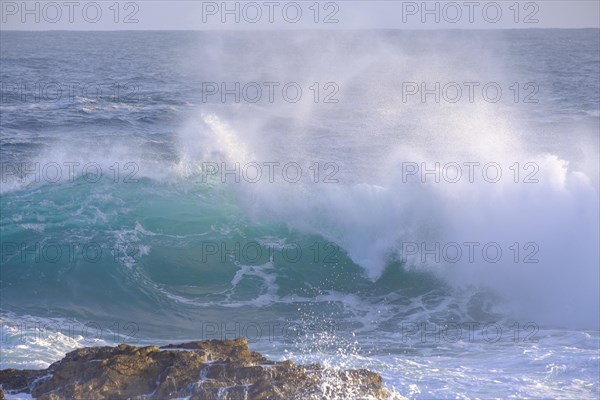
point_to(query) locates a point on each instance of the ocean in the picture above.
(421, 204)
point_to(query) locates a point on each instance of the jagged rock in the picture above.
(214, 369)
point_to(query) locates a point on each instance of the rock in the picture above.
(214, 369)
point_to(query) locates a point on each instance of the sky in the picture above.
(288, 15)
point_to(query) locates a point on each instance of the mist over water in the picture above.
(357, 140)
(375, 209)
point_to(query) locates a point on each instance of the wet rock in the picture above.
(214, 369)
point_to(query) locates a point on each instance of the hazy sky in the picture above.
(251, 15)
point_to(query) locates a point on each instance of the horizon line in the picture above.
(295, 30)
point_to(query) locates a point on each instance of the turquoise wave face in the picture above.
(147, 244)
(178, 259)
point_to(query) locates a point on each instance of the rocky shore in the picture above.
(214, 369)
